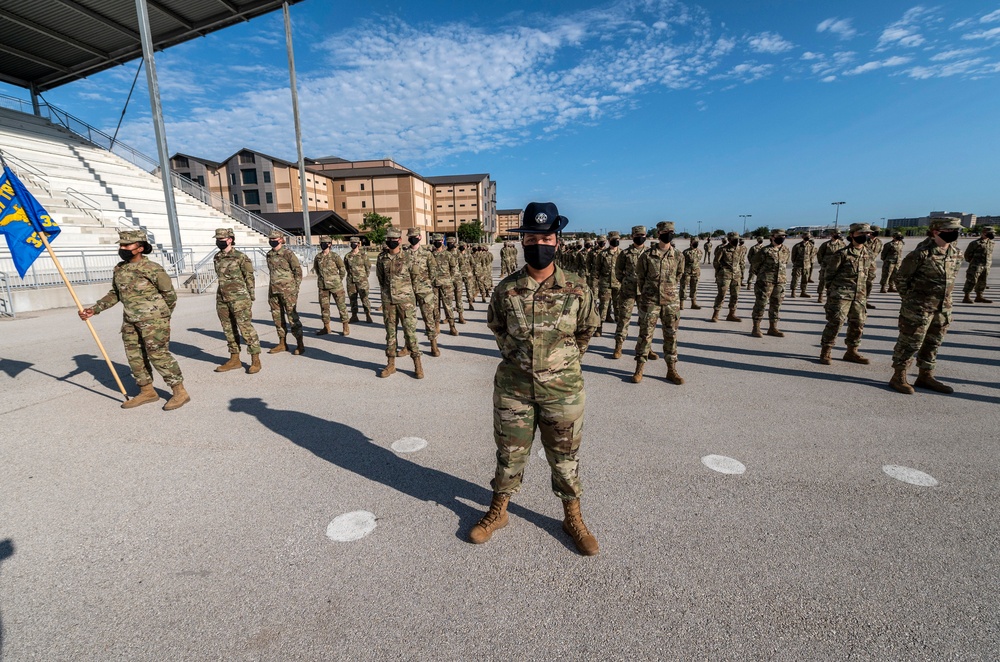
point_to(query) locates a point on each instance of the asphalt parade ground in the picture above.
(839, 520)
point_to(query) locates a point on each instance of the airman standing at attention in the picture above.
(234, 300)
(874, 246)
(424, 275)
(399, 305)
(608, 285)
(980, 257)
(756, 248)
(825, 250)
(771, 266)
(444, 284)
(283, 292)
(543, 320)
(727, 262)
(330, 271)
(708, 249)
(468, 275)
(692, 274)
(925, 281)
(594, 267)
(846, 279)
(892, 255)
(628, 293)
(802, 258)
(659, 271)
(482, 270)
(451, 244)
(358, 268)
(148, 300)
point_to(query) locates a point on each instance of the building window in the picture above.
(180, 162)
(201, 180)
(247, 157)
(252, 196)
(267, 176)
(232, 179)
(363, 205)
(185, 175)
(341, 188)
(269, 197)
(362, 186)
(236, 198)
(461, 190)
(343, 205)
(462, 205)
(249, 176)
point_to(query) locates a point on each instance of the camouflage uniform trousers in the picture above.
(147, 345)
(445, 295)
(870, 280)
(355, 291)
(607, 297)
(236, 318)
(689, 280)
(324, 304)
(889, 274)
(725, 283)
(821, 286)
(770, 295)
(799, 274)
(669, 315)
(516, 415)
(626, 304)
(837, 310)
(458, 293)
(428, 304)
(484, 282)
(471, 288)
(921, 332)
(975, 278)
(282, 304)
(405, 314)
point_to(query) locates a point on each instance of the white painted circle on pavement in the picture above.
(409, 444)
(908, 475)
(351, 526)
(723, 464)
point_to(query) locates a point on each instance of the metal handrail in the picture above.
(88, 202)
(82, 266)
(6, 301)
(25, 170)
(7, 101)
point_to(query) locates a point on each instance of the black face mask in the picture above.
(438, 244)
(990, 235)
(614, 243)
(638, 241)
(666, 237)
(274, 243)
(949, 235)
(125, 254)
(413, 240)
(221, 244)
(860, 240)
(324, 245)
(600, 244)
(393, 244)
(694, 244)
(539, 256)
(461, 249)
(778, 240)
(354, 246)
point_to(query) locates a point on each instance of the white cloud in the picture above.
(906, 31)
(894, 61)
(829, 79)
(809, 55)
(960, 68)
(992, 17)
(993, 33)
(954, 53)
(769, 42)
(838, 26)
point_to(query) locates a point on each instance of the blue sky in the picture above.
(621, 112)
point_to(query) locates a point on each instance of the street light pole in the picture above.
(745, 217)
(699, 228)
(836, 220)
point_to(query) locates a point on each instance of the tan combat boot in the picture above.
(618, 349)
(599, 332)
(368, 317)
(925, 379)
(826, 354)
(673, 375)
(254, 364)
(434, 347)
(898, 381)
(819, 297)
(494, 520)
(300, 347)
(325, 330)
(146, 395)
(573, 525)
(967, 298)
(756, 330)
(179, 399)
(461, 316)
(682, 304)
(390, 367)
(882, 289)
(354, 318)
(405, 351)
(852, 356)
(347, 329)
(280, 347)
(637, 375)
(232, 364)
(694, 304)
(653, 356)
(869, 305)
(418, 368)
(792, 295)
(773, 330)
(805, 295)
(981, 299)
(715, 315)
(731, 317)
(451, 328)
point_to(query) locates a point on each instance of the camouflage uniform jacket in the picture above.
(692, 261)
(828, 248)
(447, 266)
(542, 330)
(892, 252)
(741, 256)
(144, 290)
(927, 275)
(770, 264)
(235, 274)
(424, 271)
(393, 273)
(751, 253)
(358, 268)
(625, 270)
(283, 267)
(465, 263)
(727, 260)
(846, 273)
(658, 274)
(803, 253)
(874, 247)
(330, 271)
(980, 253)
(607, 274)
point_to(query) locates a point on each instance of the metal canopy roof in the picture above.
(49, 43)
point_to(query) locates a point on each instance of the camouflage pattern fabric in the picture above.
(330, 271)
(892, 255)
(398, 300)
(925, 281)
(508, 260)
(283, 291)
(444, 286)
(358, 267)
(625, 271)
(692, 272)
(658, 274)
(980, 257)
(424, 273)
(847, 293)
(874, 248)
(771, 267)
(727, 263)
(825, 250)
(459, 281)
(148, 299)
(468, 277)
(708, 250)
(608, 285)
(802, 260)
(751, 253)
(542, 330)
(234, 300)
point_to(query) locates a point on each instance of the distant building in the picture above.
(967, 220)
(508, 221)
(464, 198)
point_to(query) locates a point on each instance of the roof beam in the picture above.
(170, 13)
(90, 13)
(33, 58)
(233, 9)
(31, 25)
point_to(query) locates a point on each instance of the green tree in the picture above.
(470, 232)
(762, 231)
(375, 226)
(718, 233)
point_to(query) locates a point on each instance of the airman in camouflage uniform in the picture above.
(358, 268)
(825, 250)
(234, 300)
(330, 271)
(424, 275)
(148, 298)
(283, 292)
(608, 285)
(846, 283)
(398, 303)
(692, 274)
(594, 266)
(753, 250)
(508, 259)
(452, 247)
(728, 262)
(874, 246)
(657, 275)
(802, 259)
(892, 255)
(770, 264)
(708, 249)
(628, 294)
(925, 280)
(444, 284)
(482, 270)
(468, 275)
(980, 257)
(543, 319)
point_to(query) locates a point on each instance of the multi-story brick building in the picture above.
(508, 220)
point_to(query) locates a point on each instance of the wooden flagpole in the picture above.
(79, 307)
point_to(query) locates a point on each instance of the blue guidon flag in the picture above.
(21, 221)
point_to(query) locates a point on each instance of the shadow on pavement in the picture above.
(12, 368)
(350, 449)
(197, 353)
(6, 551)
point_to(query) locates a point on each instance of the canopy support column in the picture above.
(35, 108)
(298, 126)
